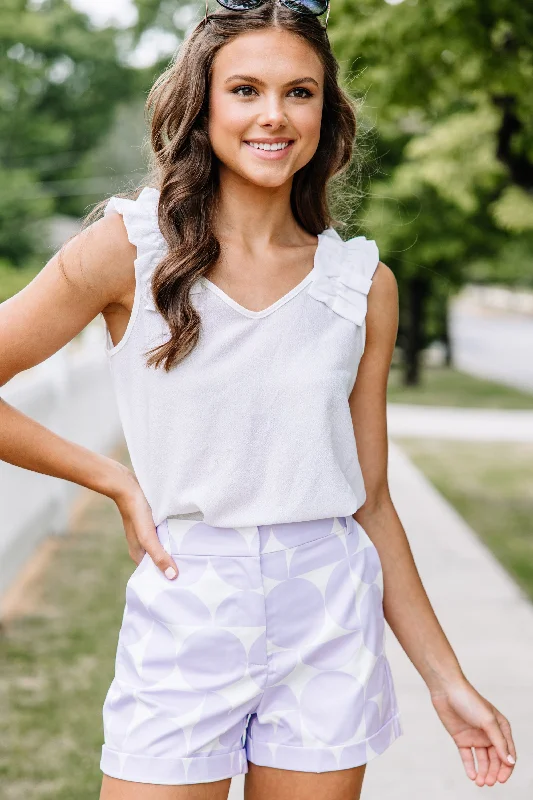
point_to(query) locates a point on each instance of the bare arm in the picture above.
(470, 719)
(38, 321)
(96, 274)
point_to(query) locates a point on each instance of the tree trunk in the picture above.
(414, 334)
(447, 342)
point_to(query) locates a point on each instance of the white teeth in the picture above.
(265, 146)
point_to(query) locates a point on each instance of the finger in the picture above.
(161, 558)
(505, 772)
(505, 728)
(136, 551)
(468, 762)
(495, 734)
(482, 765)
(494, 766)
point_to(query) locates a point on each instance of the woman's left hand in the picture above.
(475, 723)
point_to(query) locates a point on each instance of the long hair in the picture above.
(184, 169)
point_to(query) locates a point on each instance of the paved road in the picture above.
(493, 344)
(490, 625)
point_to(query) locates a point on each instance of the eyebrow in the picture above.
(259, 82)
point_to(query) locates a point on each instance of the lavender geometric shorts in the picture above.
(268, 647)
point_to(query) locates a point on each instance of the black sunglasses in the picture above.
(314, 7)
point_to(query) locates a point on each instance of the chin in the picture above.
(265, 183)
(264, 179)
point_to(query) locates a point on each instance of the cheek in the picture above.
(226, 119)
(308, 124)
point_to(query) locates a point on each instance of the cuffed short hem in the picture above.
(327, 759)
(173, 771)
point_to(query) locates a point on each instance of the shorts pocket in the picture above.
(141, 566)
(367, 574)
(363, 555)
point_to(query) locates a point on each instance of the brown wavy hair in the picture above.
(184, 169)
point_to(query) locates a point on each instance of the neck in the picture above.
(247, 213)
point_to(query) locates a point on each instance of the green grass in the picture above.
(14, 280)
(491, 485)
(448, 387)
(57, 663)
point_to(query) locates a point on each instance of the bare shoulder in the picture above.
(384, 288)
(100, 259)
(93, 271)
(381, 329)
(382, 313)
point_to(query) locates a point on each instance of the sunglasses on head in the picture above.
(313, 7)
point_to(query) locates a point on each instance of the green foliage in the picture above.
(60, 80)
(118, 163)
(458, 170)
(512, 264)
(449, 84)
(447, 87)
(513, 210)
(23, 204)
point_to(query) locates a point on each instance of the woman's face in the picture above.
(266, 89)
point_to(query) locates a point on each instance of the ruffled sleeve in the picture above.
(344, 274)
(141, 222)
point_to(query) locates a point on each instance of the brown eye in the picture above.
(238, 89)
(307, 93)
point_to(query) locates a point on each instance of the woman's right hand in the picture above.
(139, 526)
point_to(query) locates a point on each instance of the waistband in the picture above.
(190, 537)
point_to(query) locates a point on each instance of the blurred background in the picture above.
(443, 181)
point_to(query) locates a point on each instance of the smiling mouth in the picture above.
(268, 146)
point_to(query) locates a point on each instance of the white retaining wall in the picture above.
(70, 393)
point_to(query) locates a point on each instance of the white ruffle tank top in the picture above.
(254, 426)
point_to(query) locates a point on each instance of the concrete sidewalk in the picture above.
(464, 424)
(489, 623)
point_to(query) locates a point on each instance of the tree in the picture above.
(60, 81)
(450, 86)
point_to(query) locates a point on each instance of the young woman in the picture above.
(249, 347)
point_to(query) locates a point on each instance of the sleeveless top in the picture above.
(254, 426)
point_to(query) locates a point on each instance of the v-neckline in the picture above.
(248, 312)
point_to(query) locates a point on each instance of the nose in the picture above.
(273, 113)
